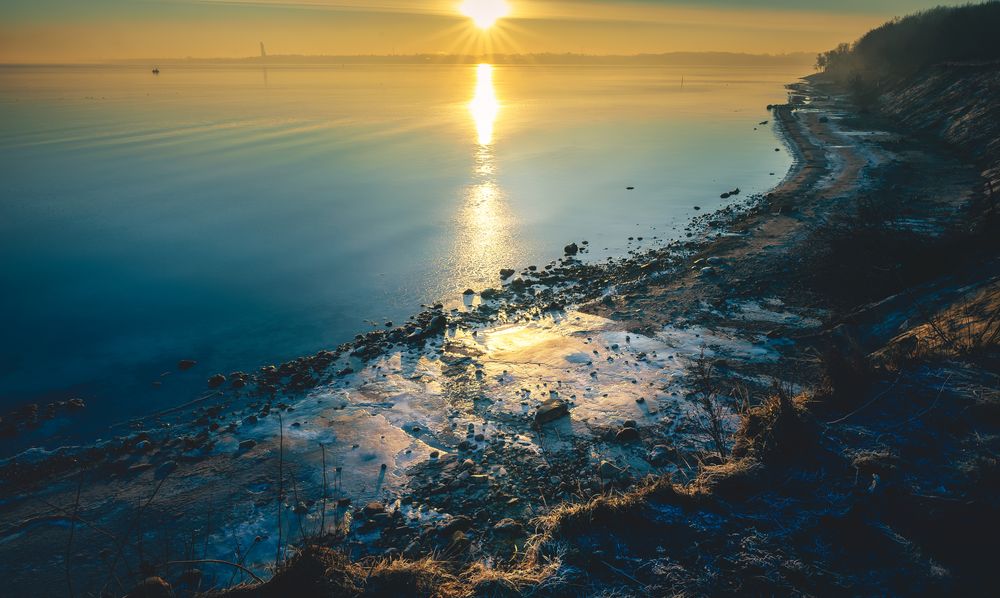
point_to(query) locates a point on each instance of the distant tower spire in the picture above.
(263, 53)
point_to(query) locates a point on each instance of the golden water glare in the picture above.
(484, 105)
(484, 239)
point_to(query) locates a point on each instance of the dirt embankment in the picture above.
(959, 104)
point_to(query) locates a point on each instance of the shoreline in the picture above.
(453, 399)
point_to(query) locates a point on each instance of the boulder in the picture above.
(166, 469)
(611, 472)
(551, 410)
(459, 523)
(508, 527)
(571, 249)
(152, 587)
(661, 454)
(627, 435)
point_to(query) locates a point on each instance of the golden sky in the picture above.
(95, 30)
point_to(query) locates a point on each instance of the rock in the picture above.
(506, 273)
(373, 508)
(571, 249)
(75, 403)
(438, 324)
(629, 188)
(488, 294)
(509, 527)
(166, 469)
(216, 381)
(186, 364)
(246, 445)
(630, 423)
(627, 435)
(459, 523)
(412, 551)
(191, 577)
(609, 471)
(460, 542)
(434, 454)
(661, 454)
(551, 410)
(468, 292)
(152, 587)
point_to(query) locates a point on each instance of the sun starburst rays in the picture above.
(485, 13)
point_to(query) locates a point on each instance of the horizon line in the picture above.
(425, 56)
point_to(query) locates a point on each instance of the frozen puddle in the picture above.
(472, 390)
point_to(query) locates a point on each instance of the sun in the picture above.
(485, 13)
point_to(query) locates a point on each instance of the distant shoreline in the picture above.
(722, 59)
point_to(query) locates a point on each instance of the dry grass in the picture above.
(489, 582)
(323, 572)
(779, 430)
(968, 328)
(401, 577)
(549, 566)
(606, 509)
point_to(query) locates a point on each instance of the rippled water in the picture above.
(242, 216)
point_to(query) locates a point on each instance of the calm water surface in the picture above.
(241, 216)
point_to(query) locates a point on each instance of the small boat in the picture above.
(156, 71)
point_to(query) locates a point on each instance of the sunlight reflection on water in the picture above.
(484, 237)
(241, 217)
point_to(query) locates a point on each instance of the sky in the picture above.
(68, 31)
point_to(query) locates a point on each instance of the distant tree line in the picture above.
(904, 46)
